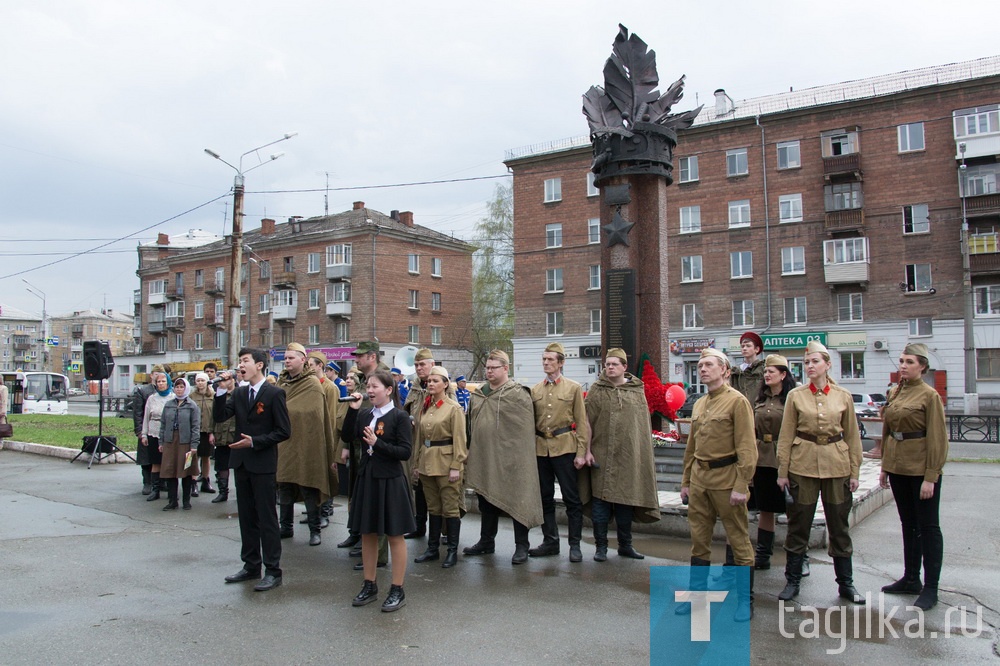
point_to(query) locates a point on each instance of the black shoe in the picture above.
(304, 521)
(242, 576)
(601, 554)
(904, 585)
(147, 488)
(429, 555)
(764, 549)
(206, 486)
(368, 594)
(520, 555)
(221, 497)
(287, 534)
(395, 600)
(315, 539)
(419, 533)
(574, 554)
(350, 542)
(480, 548)
(170, 506)
(360, 566)
(630, 552)
(154, 494)
(545, 549)
(355, 552)
(928, 598)
(187, 505)
(194, 490)
(268, 582)
(324, 522)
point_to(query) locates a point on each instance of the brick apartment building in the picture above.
(22, 343)
(325, 282)
(74, 328)
(832, 213)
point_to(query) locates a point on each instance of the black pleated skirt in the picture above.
(765, 495)
(381, 506)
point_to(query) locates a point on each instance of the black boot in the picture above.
(286, 516)
(147, 479)
(805, 565)
(910, 582)
(419, 514)
(395, 600)
(171, 494)
(187, 483)
(765, 546)
(351, 541)
(194, 486)
(313, 520)
(744, 604)
(454, 532)
(932, 542)
(793, 576)
(625, 548)
(575, 537)
(206, 485)
(368, 594)
(601, 542)
(421, 530)
(698, 583)
(550, 541)
(433, 541)
(728, 575)
(928, 598)
(521, 544)
(487, 536)
(843, 568)
(222, 478)
(154, 489)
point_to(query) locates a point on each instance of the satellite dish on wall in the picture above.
(404, 360)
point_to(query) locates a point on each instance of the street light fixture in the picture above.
(236, 260)
(35, 291)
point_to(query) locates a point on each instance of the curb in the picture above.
(61, 452)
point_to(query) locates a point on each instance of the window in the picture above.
(338, 255)
(199, 278)
(553, 190)
(314, 334)
(595, 322)
(848, 307)
(691, 268)
(313, 262)
(264, 337)
(839, 142)
(338, 292)
(436, 267)
(742, 314)
(178, 341)
(219, 339)
(414, 299)
(157, 287)
(314, 298)
(161, 345)
(592, 190)
(739, 213)
(795, 310)
(741, 264)
(793, 260)
(843, 196)
(244, 271)
(689, 169)
(288, 264)
(790, 208)
(199, 340)
(736, 162)
(414, 335)
(220, 310)
(265, 303)
(921, 327)
(988, 363)
(916, 219)
(436, 335)
(987, 300)
(918, 277)
(852, 365)
(553, 280)
(413, 264)
(220, 278)
(342, 331)
(981, 179)
(594, 230)
(287, 335)
(595, 277)
(845, 251)
(693, 317)
(978, 120)
(436, 301)
(553, 323)
(911, 137)
(553, 235)
(243, 338)
(288, 297)
(264, 269)
(788, 155)
(690, 219)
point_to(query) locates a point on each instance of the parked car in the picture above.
(879, 399)
(864, 405)
(75, 391)
(684, 412)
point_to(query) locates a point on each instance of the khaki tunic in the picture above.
(767, 426)
(205, 402)
(558, 405)
(914, 406)
(749, 381)
(819, 414)
(721, 426)
(444, 419)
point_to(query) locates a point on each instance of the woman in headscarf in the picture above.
(149, 436)
(180, 428)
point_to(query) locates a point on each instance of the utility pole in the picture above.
(235, 270)
(971, 398)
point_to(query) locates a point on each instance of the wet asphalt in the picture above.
(94, 574)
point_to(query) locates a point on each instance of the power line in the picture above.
(379, 187)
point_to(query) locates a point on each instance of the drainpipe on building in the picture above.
(767, 225)
(374, 236)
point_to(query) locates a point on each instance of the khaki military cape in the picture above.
(337, 413)
(305, 457)
(622, 446)
(502, 465)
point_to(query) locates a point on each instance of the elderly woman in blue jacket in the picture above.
(180, 426)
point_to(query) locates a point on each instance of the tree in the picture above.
(493, 278)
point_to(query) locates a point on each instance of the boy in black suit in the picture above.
(261, 423)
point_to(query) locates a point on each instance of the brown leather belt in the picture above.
(554, 433)
(819, 439)
(437, 442)
(719, 462)
(900, 436)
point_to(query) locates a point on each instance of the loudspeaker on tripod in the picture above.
(97, 360)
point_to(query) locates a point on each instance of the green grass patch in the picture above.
(975, 460)
(69, 431)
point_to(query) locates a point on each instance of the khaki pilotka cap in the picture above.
(500, 355)
(712, 351)
(296, 347)
(423, 355)
(776, 360)
(618, 353)
(319, 356)
(556, 348)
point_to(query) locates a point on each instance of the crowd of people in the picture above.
(412, 448)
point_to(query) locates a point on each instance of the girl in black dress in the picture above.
(381, 500)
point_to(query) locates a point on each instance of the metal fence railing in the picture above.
(973, 428)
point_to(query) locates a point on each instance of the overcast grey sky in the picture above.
(108, 105)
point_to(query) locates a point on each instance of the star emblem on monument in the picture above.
(618, 230)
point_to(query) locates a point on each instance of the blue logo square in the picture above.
(691, 615)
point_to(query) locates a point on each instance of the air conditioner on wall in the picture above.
(880, 345)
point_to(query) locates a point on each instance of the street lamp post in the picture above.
(971, 399)
(35, 291)
(236, 260)
(259, 260)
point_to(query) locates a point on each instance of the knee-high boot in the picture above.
(286, 518)
(910, 582)
(487, 536)
(171, 494)
(698, 583)
(623, 520)
(433, 551)
(765, 546)
(222, 479)
(550, 541)
(933, 554)
(843, 568)
(147, 479)
(744, 604)
(793, 576)
(154, 485)
(728, 574)
(454, 532)
(187, 483)
(601, 542)
(575, 537)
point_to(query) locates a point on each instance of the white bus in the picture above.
(37, 392)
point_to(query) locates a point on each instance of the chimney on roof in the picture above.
(266, 226)
(162, 239)
(295, 224)
(394, 215)
(358, 205)
(723, 103)
(406, 217)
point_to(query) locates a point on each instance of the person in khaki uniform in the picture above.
(914, 450)
(440, 461)
(317, 363)
(819, 454)
(562, 433)
(719, 464)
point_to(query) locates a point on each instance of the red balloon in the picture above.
(675, 397)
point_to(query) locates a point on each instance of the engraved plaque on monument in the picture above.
(620, 306)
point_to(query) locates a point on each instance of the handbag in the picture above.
(6, 430)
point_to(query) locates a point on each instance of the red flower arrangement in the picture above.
(656, 391)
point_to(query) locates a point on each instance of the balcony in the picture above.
(852, 219)
(158, 327)
(339, 309)
(137, 296)
(175, 292)
(841, 165)
(22, 346)
(153, 348)
(158, 298)
(77, 331)
(215, 288)
(339, 272)
(984, 253)
(982, 206)
(855, 272)
(175, 323)
(284, 312)
(216, 321)
(283, 279)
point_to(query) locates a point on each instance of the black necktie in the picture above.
(252, 395)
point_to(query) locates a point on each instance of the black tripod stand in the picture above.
(100, 447)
